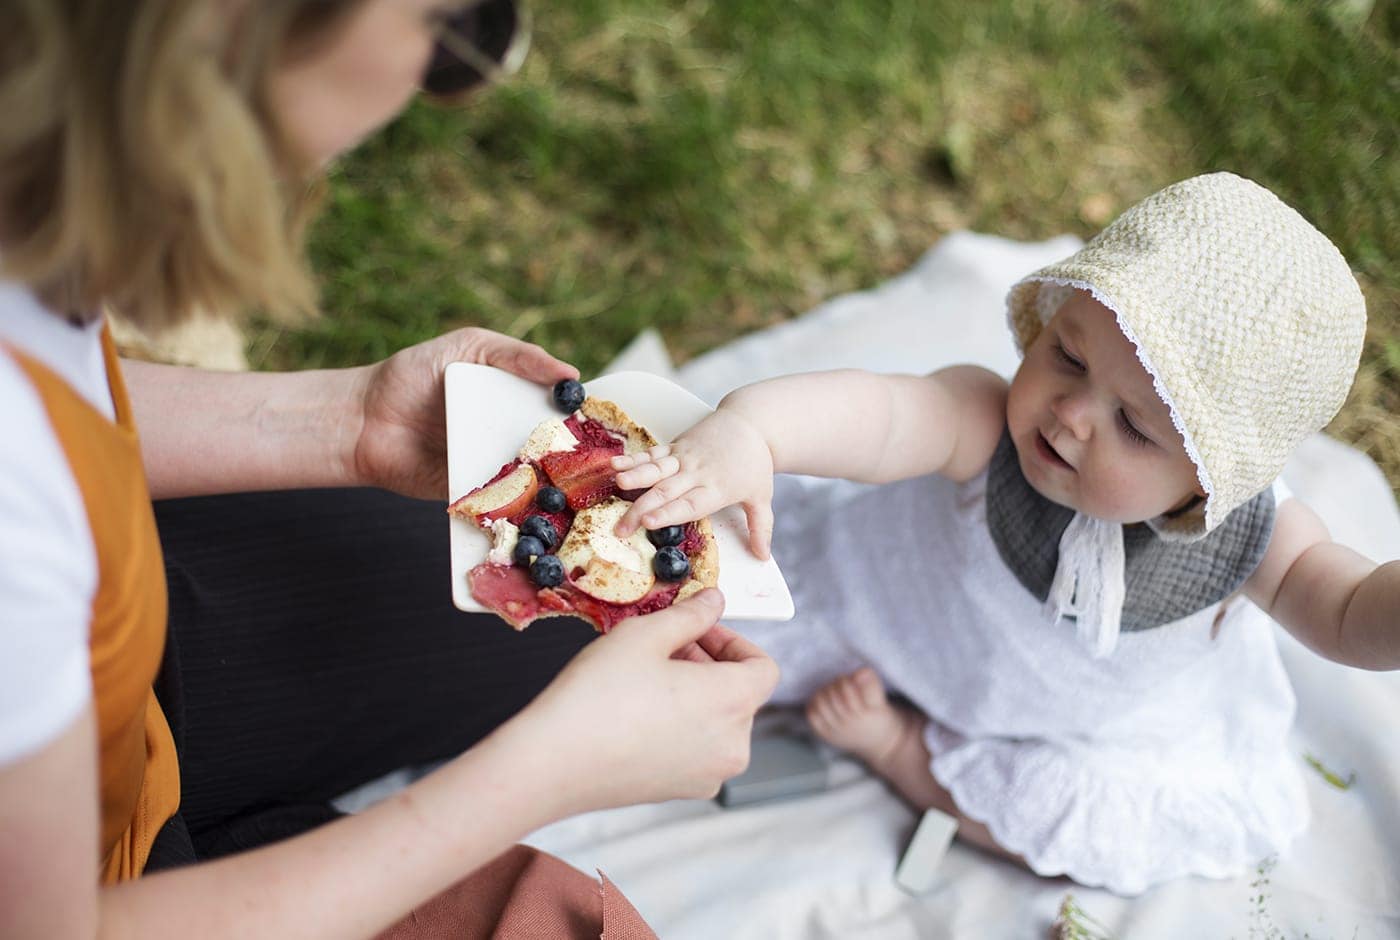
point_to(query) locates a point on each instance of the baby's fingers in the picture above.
(628, 461)
(649, 473)
(695, 503)
(760, 520)
(658, 495)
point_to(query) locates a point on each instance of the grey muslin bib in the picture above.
(1164, 580)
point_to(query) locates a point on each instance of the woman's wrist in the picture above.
(348, 410)
(313, 420)
(219, 432)
(542, 774)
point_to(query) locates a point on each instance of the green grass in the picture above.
(714, 166)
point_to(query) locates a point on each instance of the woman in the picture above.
(144, 158)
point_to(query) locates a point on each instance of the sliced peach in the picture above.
(614, 583)
(614, 570)
(503, 498)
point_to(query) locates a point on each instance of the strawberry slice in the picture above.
(591, 433)
(585, 474)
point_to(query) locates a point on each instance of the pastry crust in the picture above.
(704, 567)
(635, 437)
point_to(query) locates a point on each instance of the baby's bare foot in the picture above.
(854, 714)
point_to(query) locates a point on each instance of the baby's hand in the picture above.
(721, 461)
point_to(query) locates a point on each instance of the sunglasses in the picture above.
(481, 44)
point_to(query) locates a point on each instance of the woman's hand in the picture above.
(402, 443)
(721, 461)
(641, 715)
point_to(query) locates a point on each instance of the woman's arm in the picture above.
(48, 838)
(217, 432)
(1337, 602)
(351, 878)
(379, 425)
(677, 728)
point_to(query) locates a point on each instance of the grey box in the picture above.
(781, 765)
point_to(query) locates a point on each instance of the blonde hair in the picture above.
(140, 164)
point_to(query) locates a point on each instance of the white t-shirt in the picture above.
(48, 563)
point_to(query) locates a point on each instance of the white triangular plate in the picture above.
(489, 415)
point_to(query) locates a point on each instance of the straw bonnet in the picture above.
(1247, 318)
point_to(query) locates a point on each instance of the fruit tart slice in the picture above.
(551, 513)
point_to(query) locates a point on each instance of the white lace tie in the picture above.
(1089, 582)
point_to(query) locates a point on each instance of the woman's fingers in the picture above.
(679, 625)
(692, 653)
(758, 672)
(533, 363)
(688, 630)
(514, 356)
(724, 645)
(683, 692)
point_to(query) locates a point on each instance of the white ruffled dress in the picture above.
(1168, 758)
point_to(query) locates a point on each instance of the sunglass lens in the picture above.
(489, 28)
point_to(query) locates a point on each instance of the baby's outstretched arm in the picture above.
(1337, 602)
(857, 425)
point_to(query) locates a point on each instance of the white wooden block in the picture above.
(918, 869)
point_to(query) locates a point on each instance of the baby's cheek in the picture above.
(1118, 495)
(1018, 420)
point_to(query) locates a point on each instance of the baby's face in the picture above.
(1089, 429)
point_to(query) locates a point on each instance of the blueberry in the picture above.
(551, 499)
(541, 528)
(547, 571)
(670, 564)
(568, 394)
(667, 535)
(525, 546)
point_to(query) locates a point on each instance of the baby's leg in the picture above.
(854, 714)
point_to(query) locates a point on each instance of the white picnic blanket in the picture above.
(822, 866)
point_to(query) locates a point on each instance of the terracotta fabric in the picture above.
(621, 921)
(525, 894)
(139, 778)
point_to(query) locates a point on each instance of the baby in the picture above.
(1071, 580)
